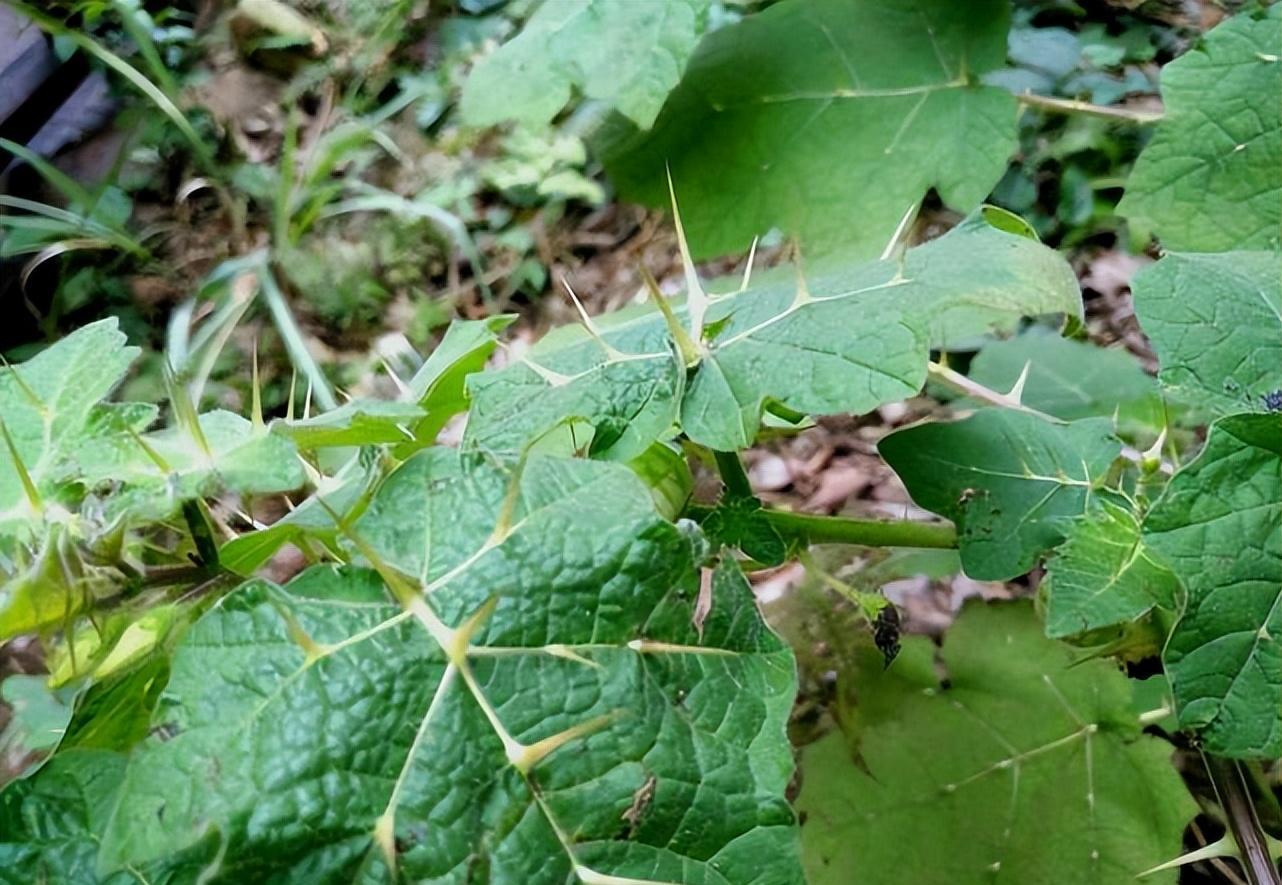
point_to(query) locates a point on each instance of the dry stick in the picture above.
(1072, 106)
(1230, 786)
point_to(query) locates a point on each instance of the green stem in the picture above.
(733, 475)
(812, 528)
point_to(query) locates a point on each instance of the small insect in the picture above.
(885, 632)
(641, 800)
(1272, 400)
(967, 496)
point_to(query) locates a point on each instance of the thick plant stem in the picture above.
(1072, 106)
(813, 528)
(817, 529)
(1230, 784)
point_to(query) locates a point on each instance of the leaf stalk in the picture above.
(815, 528)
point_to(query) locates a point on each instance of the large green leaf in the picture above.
(1219, 526)
(1070, 379)
(847, 340)
(160, 470)
(828, 119)
(1010, 480)
(623, 52)
(1104, 576)
(1026, 766)
(47, 406)
(1211, 178)
(545, 707)
(1216, 324)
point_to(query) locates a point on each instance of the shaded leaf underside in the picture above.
(1023, 767)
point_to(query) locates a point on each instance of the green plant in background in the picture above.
(534, 658)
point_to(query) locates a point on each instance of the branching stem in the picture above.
(1072, 106)
(1239, 810)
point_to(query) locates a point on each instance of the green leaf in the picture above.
(1104, 575)
(440, 385)
(544, 707)
(664, 470)
(1219, 526)
(852, 340)
(311, 520)
(849, 340)
(1211, 178)
(740, 522)
(829, 119)
(38, 717)
(1010, 480)
(361, 422)
(1023, 767)
(160, 470)
(1071, 379)
(49, 823)
(1216, 324)
(47, 406)
(621, 397)
(625, 53)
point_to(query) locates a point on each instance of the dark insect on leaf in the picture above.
(885, 632)
(1273, 400)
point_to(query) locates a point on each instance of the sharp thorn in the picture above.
(256, 407)
(293, 379)
(30, 394)
(899, 239)
(401, 386)
(696, 298)
(747, 268)
(685, 346)
(28, 485)
(1016, 394)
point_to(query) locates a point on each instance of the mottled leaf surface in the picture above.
(1009, 479)
(545, 706)
(847, 340)
(1026, 766)
(1104, 575)
(1216, 324)
(1211, 178)
(828, 119)
(626, 53)
(1219, 527)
